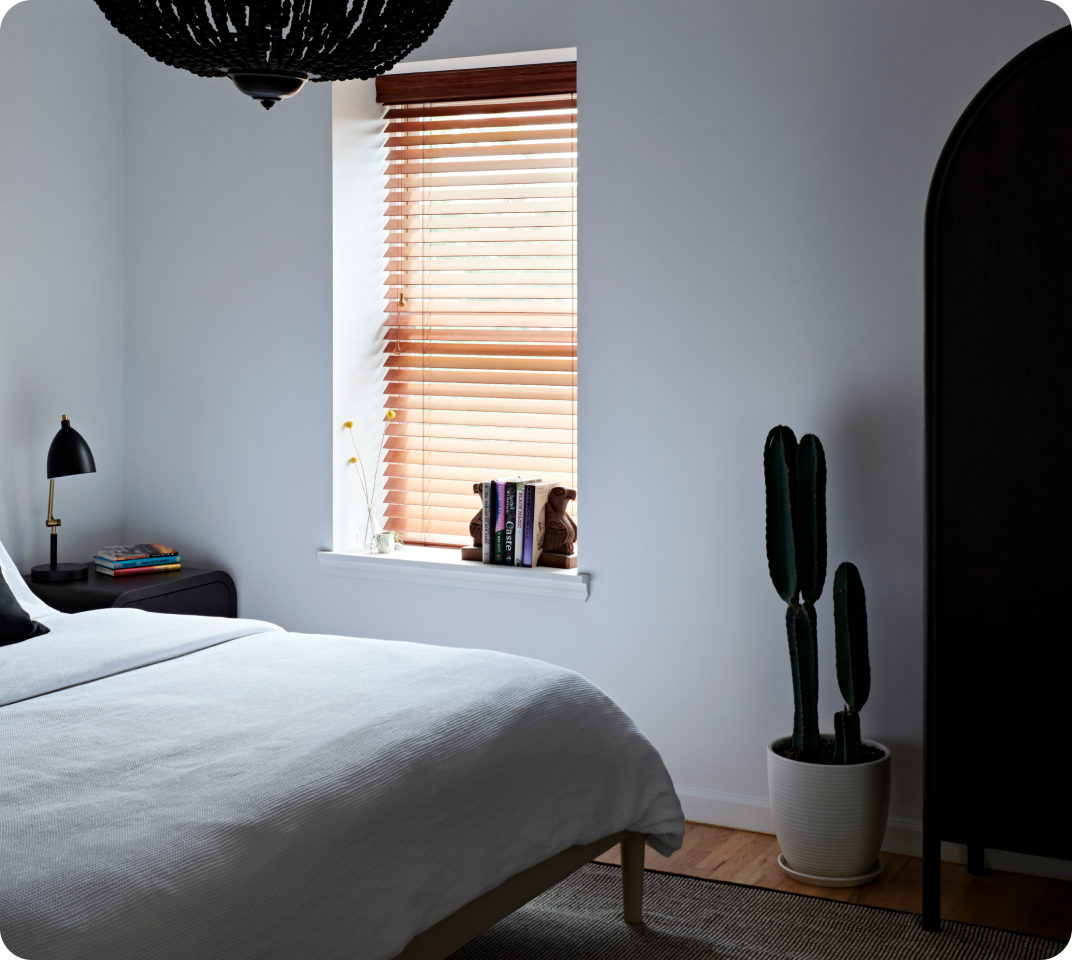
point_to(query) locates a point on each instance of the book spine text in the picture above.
(510, 524)
(526, 543)
(139, 571)
(488, 523)
(500, 522)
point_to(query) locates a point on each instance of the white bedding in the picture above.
(208, 788)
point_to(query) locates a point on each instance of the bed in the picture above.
(191, 786)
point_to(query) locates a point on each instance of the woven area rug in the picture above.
(690, 919)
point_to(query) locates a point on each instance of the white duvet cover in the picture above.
(188, 787)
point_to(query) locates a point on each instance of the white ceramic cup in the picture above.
(383, 542)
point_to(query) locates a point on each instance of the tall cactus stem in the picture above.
(846, 737)
(853, 664)
(794, 664)
(779, 472)
(850, 637)
(809, 518)
(803, 650)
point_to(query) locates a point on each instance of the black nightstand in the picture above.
(205, 593)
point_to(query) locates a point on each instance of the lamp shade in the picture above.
(69, 453)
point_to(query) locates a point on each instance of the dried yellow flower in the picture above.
(390, 414)
(348, 424)
(353, 460)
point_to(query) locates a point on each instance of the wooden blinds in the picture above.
(481, 329)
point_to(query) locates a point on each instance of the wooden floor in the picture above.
(1010, 901)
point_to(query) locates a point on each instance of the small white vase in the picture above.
(830, 820)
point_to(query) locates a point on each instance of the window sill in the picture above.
(438, 567)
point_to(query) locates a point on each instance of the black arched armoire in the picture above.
(999, 471)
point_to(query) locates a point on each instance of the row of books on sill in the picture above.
(513, 522)
(135, 559)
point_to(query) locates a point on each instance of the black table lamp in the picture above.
(68, 455)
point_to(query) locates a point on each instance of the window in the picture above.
(480, 337)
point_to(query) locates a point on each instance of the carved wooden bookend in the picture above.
(476, 529)
(561, 532)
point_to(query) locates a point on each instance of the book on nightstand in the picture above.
(136, 558)
(139, 571)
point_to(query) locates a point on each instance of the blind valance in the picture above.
(532, 80)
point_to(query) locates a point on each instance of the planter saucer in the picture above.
(831, 881)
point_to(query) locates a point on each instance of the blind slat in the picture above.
(464, 476)
(536, 312)
(502, 378)
(446, 208)
(418, 498)
(537, 129)
(438, 463)
(542, 248)
(496, 192)
(476, 262)
(549, 118)
(499, 391)
(464, 419)
(460, 431)
(443, 318)
(477, 405)
(451, 154)
(483, 107)
(433, 223)
(428, 348)
(504, 164)
(501, 235)
(437, 448)
(511, 365)
(432, 512)
(485, 181)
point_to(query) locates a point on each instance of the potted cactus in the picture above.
(829, 794)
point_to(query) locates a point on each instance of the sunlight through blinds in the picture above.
(480, 338)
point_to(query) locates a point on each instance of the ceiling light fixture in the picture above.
(270, 48)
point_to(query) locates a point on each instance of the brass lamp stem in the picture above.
(53, 525)
(51, 522)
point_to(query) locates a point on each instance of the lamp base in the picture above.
(45, 572)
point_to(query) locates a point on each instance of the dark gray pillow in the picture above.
(15, 623)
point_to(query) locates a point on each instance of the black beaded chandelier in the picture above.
(269, 48)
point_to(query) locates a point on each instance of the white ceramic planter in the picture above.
(830, 820)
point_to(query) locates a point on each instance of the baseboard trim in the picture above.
(734, 810)
(742, 812)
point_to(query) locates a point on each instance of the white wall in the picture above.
(228, 327)
(61, 272)
(752, 184)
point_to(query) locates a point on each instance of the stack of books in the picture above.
(513, 520)
(136, 558)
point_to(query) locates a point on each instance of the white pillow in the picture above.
(32, 605)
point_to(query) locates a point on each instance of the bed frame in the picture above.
(453, 932)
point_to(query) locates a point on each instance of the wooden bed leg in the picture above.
(633, 877)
